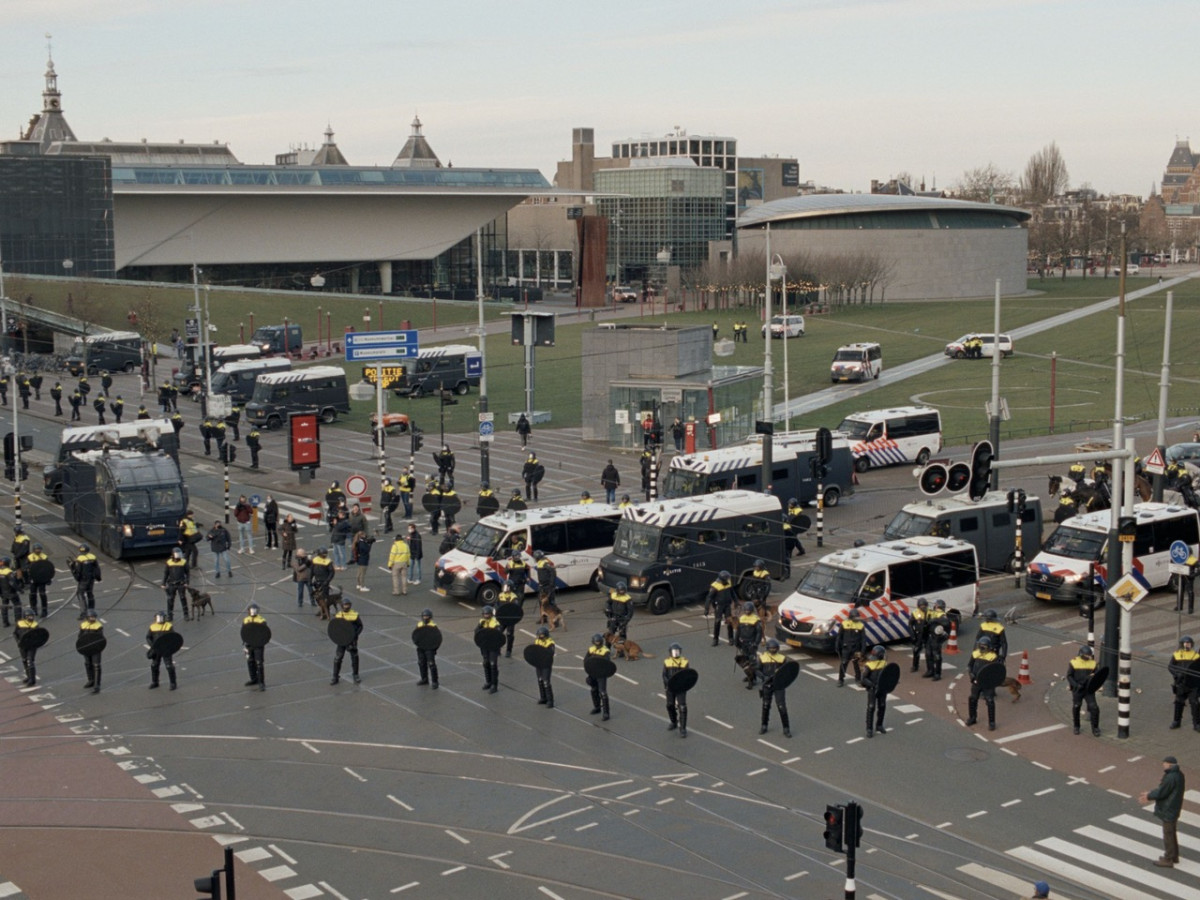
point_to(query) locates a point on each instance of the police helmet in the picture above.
(254, 609)
(516, 554)
(346, 604)
(760, 564)
(585, 496)
(984, 643)
(538, 554)
(622, 586)
(83, 548)
(334, 486)
(675, 650)
(792, 501)
(483, 485)
(543, 631)
(91, 614)
(939, 604)
(748, 606)
(177, 552)
(488, 611)
(320, 551)
(160, 617)
(19, 529)
(1186, 639)
(877, 651)
(427, 614)
(507, 584)
(31, 613)
(990, 615)
(922, 603)
(724, 576)
(5, 561)
(597, 639)
(1086, 652)
(772, 645)
(445, 448)
(853, 614)
(624, 498)
(531, 457)
(37, 548)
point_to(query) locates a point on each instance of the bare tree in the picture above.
(986, 184)
(1045, 175)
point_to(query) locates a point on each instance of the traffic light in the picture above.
(834, 827)
(10, 452)
(418, 439)
(210, 885)
(958, 477)
(854, 816)
(1016, 502)
(982, 455)
(10, 471)
(933, 478)
(825, 445)
(761, 427)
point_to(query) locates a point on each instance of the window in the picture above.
(549, 538)
(968, 524)
(1001, 520)
(906, 579)
(1181, 529)
(756, 526)
(591, 534)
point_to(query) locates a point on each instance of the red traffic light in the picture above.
(933, 478)
(959, 477)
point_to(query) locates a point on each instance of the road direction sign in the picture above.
(356, 485)
(366, 345)
(1128, 591)
(1154, 462)
(474, 366)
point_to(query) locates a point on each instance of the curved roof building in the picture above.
(927, 247)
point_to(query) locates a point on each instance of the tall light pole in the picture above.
(768, 372)
(16, 433)
(779, 271)
(1118, 669)
(484, 440)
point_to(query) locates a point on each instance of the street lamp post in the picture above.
(779, 271)
(768, 371)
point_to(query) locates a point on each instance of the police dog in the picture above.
(625, 649)
(1014, 688)
(200, 601)
(550, 614)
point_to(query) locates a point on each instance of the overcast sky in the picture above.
(853, 89)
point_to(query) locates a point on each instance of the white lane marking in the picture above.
(1043, 792)
(498, 859)
(207, 822)
(404, 887)
(1087, 877)
(908, 709)
(976, 815)
(399, 802)
(766, 743)
(625, 678)
(549, 893)
(1105, 769)
(1009, 803)
(1041, 765)
(665, 801)
(634, 793)
(304, 892)
(122, 632)
(455, 869)
(823, 750)
(719, 722)
(309, 746)
(281, 854)
(631, 812)
(914, 721)
(587, 826)
(254, 854)
(458, 837)
(755, 772)
(278, 873)
(232, 821)
(524, 823)
(1120, 794)
(349, 771)
(788, 762)
(1026, 734)
(683, 623)
(795, 875)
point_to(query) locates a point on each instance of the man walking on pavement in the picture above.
(1168, 802)
(610, 479)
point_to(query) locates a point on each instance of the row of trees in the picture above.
(834, 279)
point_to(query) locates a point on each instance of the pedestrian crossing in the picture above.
(1115, 858)
(1156, 628)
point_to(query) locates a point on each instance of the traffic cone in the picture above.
(951, 648)
(1023, 673)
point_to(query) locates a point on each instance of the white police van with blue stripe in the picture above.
(883, 581)
(889, 437)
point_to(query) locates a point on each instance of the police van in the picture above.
(883, 582)
(575, 538)
(888, 437)
(668, 552)
(1062, 569)
(115, 351)
(237, 379)
(140, 434)
(988, 524)
(740, 467)
(190, 377)
(321, 389)
(856, 362)
(452, 367)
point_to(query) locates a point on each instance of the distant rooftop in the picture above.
(168, 176)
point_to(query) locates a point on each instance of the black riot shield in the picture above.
(166, 643)
(599, 666)
(41, 571)
(33, 639)
(489, 640)
(509, 613)
(888, 679)
(682, 681)
(539, 472)
(451, 504)
(539, 657)
(431, 502)
(786, 674)
(341, 631)
(991, 676)
(89, 643)
(256, 635)
(1191, 680)
(1097, 680)
(427, 638)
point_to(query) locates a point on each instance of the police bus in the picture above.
(740, 467)
(140, 434)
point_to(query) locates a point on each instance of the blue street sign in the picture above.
(1179, 552)
(487, 427)
(369, 345)
(475, 366)
(255, 499)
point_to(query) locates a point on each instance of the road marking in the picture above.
(775, 747)
(349, 771)
(122, 632)
(1009, 803)
(549, 893)
(719, 722)
(1041, 765)
(1026, 734)
(736, 896)
(309, 746)
(788, 762)
(281, 854)
(1076, 779)
(755, 772)
(399, 802)
(823, 750)
(631, 812)
(1087, 877)
(1106, 769)
(457, 837)
(455, 869)
(976, 815)
(587, 826)
(634, 793)
(203, 822)
(856, 740)
(1043, 792)
(795, 875)
(404, 887)
(665, 801)
(626, 678)
(329, 887)
(304, 892)
(278, 873)
(915, 721)
(1009, 752)
(908, 709)
(498, 859)
(232, 821)
(1121, 794)
(254, 854)
(943, 825)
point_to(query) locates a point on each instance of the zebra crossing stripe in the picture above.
(1105, 886)
(1003, 880)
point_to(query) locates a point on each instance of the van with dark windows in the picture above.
(319, 389)
(237, 379)
(668, 552)
(190, 377)
(452, 367)
(140, 434)
(989, 524)
(272, 339)
(889, 437)
(114, 351)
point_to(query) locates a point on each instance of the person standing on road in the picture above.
(524, 429)
(271, 521)
(415, 553)
(26, 623)
(254, 445)
(76, 400)
(450, 540)
(399, 558)
(40, 578)
(427, 659)
(490, 656)
(287, 531)
(389, 501)
(795, 523)
(56, 394)
(321, 576)
(918, 627)
(768, 663)
(219, 543)
(157, 627)
(678, 431)
(516, 502)
(10, 591)
(982, 656)
(645, 462)
(876, 702)
(91, 661)
(529, 472)
(676, 703)
(749, 636)
(719, 601)
(1079, 673)
(938, 632)
(618, 610)
(610, 480)
(302, 574)
(599, 686)
(243, 513)
(362, 559)
(86, 569)
(346, 613)
(850, 641)
(1168, 802)
(1183, 685)
(445, 465)
(546, 673)
(255, 656)
(176, 578)
(406, 484)
(206, 431)
(993, 628)
(339, 536)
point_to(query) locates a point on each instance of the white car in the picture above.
(1131, 269)
(623, 293)
(785, 326)
(957, 349)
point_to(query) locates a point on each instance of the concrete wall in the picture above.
(614, 354)
(926, 264)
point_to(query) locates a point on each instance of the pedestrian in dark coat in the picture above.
(524, 429)
(610, 480)
(1168, 802)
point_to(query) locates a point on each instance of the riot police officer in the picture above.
(849, 644)
(993, 628)
(255, 656)
(676, 703)
(749, 636)
(427, 659)
(983, 655)
(91, 661)
(1079, 674)
(768, 663)
(160, 625)
(347, 614)
(876, 702)
(176, 578)
(545, 673)
(618, 610)
(491, 658)
(254, 444)
(599, 686)
(1183, 685)
(719, 601)
(918, 627)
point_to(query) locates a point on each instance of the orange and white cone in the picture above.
(1023, 674)
(951, 648)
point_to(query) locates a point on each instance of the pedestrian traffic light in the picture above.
(210, 885)
(958, 476)
(418, 439)
(982, 455)
(834, 827)
(933, 478)
(854, 816)
(1016, 502)
(825, 445)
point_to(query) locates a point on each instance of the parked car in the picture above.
(957, 349)
(392, 422)
(623, 293)
(785, 326)
(1131, 269)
